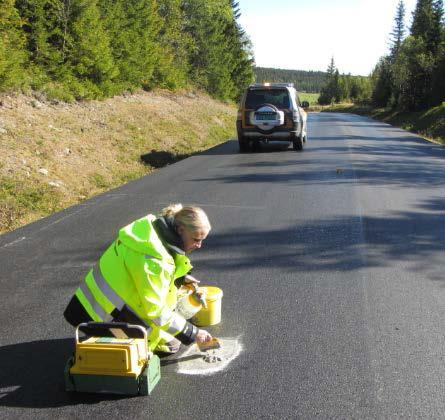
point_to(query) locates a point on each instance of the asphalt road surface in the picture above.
(333, 270)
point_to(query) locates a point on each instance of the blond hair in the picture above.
(192, 218)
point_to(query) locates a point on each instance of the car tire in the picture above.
(297, 143)
(243, 145)
(256, 146)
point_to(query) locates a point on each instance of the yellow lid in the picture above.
(212, 292)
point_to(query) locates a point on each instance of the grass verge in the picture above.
(312, 98)
(57, 154)
(429, 123)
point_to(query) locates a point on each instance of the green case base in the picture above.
(142, 385)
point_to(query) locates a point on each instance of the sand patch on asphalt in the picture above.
(195, 362)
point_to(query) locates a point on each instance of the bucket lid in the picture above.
(212, 292)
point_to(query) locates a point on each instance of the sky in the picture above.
(305, 34)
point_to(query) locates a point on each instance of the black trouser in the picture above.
(75, 314)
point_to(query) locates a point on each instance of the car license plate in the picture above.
(265, 117)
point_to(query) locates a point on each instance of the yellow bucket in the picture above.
(212, 314)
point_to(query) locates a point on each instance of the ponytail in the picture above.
(171, 210)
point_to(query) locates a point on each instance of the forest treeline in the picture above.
(343, 87)
(305, 81)
(84, 49)
(411, 77)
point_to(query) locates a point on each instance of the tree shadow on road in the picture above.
(338, 244)
(413, 165)
(231, 148)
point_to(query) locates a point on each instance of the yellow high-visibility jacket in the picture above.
(134, 281)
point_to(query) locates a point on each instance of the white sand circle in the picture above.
(195, 362)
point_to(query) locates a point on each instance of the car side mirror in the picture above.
(305, 104)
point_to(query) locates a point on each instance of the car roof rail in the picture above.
(266, 84)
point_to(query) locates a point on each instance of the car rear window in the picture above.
(277, 97)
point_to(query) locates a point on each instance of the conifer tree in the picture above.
(421, 54)
(142, 50)
(382, 81)
(413, 72)
(389, 89)
(339, 88)
(438, 77)
(210, 58)
(92, 48)
(67, 44)
(12, 46)
(330, 92)
(331, 68)
(359, 89)
(305, 81)
(194, 26)
(242, 73)
(427, 23)
(45, 36)
(434, 36)
(422, 17)
(132, 27)
(86, 46)
(173, 65)
(115, 23)
(398, 31)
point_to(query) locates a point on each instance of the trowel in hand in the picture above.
(209, 345)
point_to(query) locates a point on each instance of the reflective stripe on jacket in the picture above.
(139, 272)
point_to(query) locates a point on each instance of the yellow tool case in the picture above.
(112, 358)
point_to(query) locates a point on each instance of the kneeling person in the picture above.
(137, 278)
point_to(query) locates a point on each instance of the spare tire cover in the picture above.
(266, 126)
